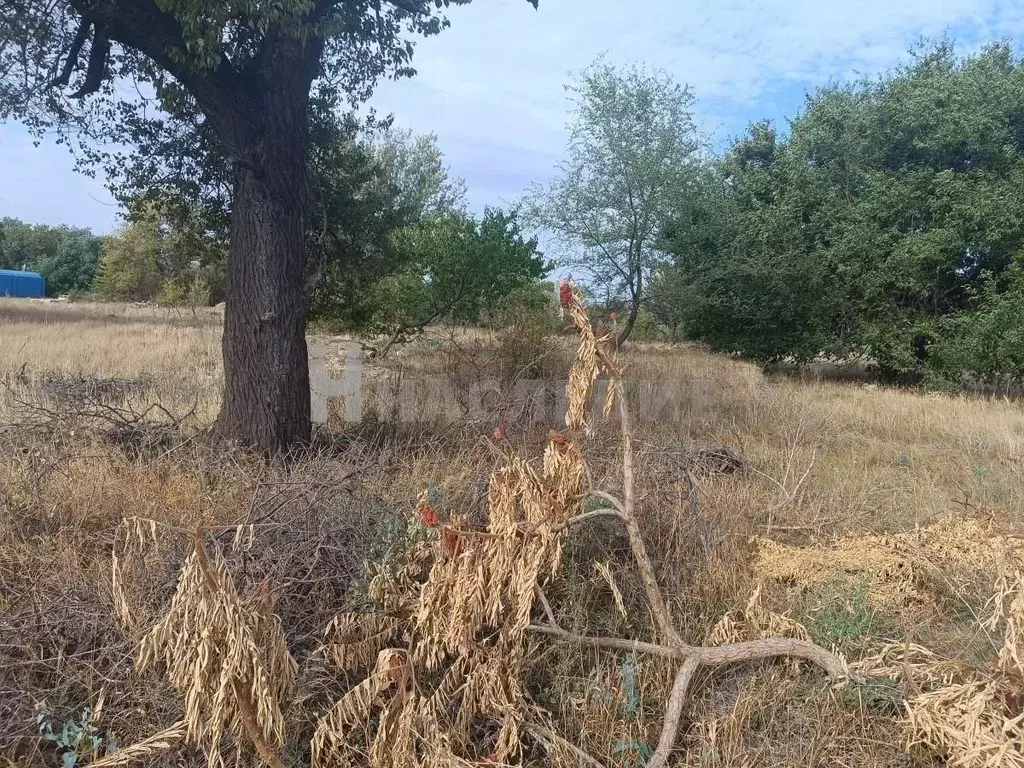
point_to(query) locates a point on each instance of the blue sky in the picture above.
(491, 87)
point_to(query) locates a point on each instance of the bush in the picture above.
(170, 294)
(527, 321)
(128, 269)
(987, 344)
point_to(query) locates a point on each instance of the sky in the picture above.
(491, 87)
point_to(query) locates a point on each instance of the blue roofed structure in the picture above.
(21, 284)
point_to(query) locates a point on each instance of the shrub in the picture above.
(171, 294)
(528, 322)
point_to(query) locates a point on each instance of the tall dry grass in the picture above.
(174, 355)
(825, 460)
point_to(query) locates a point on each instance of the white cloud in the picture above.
(491, 86)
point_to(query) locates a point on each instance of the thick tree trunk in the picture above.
(266, 367)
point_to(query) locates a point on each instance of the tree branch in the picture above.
(222, 93)
(692, 657)
(71, 61)
(547, 606)
(612, 643)
(584, 516)
(713, 655)
(549, 737)
(636, 540)
(96, 70)
(673, 711)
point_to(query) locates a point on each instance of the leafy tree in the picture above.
(20, 246)
(71, 266)
(987, 342)
(163, 252)
(252, 74)
(456, 268)
(130, 266)
(629, 157)
(415, 168)
(65, 256)
(889, 216)
(746, 278)
(371, 185)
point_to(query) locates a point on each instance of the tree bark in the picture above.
(635, 292)
(627, 330)
(266, 368)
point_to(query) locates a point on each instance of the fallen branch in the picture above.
(614, 643)
(712, 655)
(673, 711)
(692, 657)
(549, 737)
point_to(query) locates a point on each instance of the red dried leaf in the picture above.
(450, 541)
(565, 294)
(428, 515)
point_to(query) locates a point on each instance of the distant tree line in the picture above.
(66, 256)
(886, 225)
(391, 249)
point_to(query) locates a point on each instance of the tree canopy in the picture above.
(455, 267)
(629, 154)
(887, 225)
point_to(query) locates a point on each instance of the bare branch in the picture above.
(81, 35)
(547, 606)
(673, 711)
(611, 500)
(96, 70)
(613, 643)
(584, 516)
(714, 655)
(550, 737)
(636, 541)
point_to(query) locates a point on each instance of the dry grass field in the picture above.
(874, 517)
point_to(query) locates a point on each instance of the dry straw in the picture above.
(972, 717)
(145, 749)
(446, 653)
(227, 658)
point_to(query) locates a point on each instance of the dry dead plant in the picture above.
(972, 717)
(469, 626)
(225, 656)
(450, 643)
(753, 622)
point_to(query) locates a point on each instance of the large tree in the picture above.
(250, 74)
(887, 225)
(629, 156)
